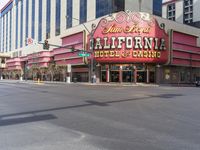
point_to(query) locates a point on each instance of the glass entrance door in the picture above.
(141, 76)
(127, 76)
(114, 76)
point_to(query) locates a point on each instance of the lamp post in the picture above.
(140, 5)
(91, 33)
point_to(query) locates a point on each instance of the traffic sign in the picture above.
(84, 54)
(30, 41)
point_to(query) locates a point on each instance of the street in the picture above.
(98, 117)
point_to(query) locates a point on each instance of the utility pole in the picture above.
(92, 72)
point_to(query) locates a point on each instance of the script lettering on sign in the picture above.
(130, 37)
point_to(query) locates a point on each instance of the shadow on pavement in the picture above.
(20, 120)
(88, 103)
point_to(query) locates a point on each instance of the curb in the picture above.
(79, 83)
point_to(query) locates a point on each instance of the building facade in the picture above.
(49, 19)
(131, 46)
(182, 11)
(25, 23)
(138, 47)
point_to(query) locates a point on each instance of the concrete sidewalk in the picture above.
(92, 84)
(77, 83)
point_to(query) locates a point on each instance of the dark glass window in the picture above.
(118, 5)
(21, 27)
(16, 30)
(58, 6)
(0, 31)
(188, 11)
(10, 43)
(33, 20)
(3, 19)
(83, 11)
(104, 7)
(40, 21)
(69, 13)
(6, 32)
(27, 5)
(171, 12)
(157, 7)
(48, 19)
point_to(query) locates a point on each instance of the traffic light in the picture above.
(46, 45)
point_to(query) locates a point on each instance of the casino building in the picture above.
(113, 40)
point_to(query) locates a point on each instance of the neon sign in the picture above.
(130, 37)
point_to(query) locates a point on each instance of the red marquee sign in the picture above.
(130, 38)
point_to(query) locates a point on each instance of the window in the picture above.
(40, 21)
(10, 30)
(157, 7)
(0, 32)
(21, 27)
(83, 11)
(69, 13)
(27, 5)
(3, 19)
(33, 20)
(48, 19)
(188, 11)
(6, 32)
(16, 28)
(3, 60)
(171, 13)
(118, 5)
(182, 76)
(104, 7)
(58, 17)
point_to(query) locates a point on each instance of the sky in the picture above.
(3, 3)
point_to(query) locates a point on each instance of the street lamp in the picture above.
(91, 33)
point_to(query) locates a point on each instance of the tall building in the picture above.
(182, 11)
(48, 19)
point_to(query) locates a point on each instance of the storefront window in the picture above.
(167, 74)
(114, 76)
(140, 67)
(127, 67)
(103, 76)
(127, 76)
(127, 73)
(114, 73)
(141, 76)
(151, 76)
(182, 76)
(103, 67)
(114, 67)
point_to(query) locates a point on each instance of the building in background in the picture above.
(50, 19)
(182, 11)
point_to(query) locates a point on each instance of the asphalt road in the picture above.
(93, 117)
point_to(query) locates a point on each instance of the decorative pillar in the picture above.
(158, 74)
(147, 74)
(120, 74)
(107, 73)
(98, 73)
(135, 74)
